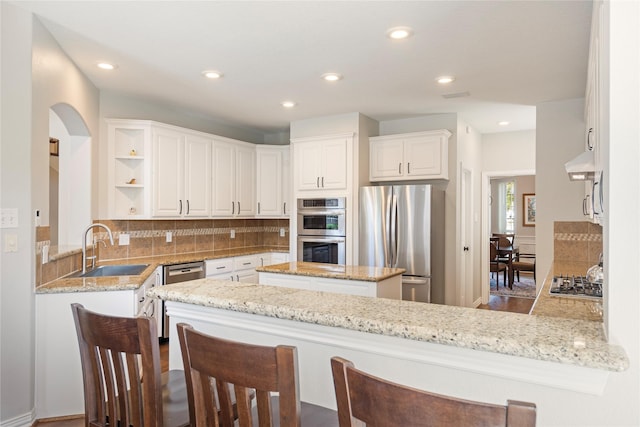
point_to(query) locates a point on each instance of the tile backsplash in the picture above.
(149, 238)
(577, 241)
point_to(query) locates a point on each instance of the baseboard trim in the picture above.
(25, 420)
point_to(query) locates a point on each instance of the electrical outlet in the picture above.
(233, 234)
(11, 243)
(169, 237)
(282, 232)
(123, 240)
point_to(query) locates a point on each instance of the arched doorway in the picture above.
(69, 176)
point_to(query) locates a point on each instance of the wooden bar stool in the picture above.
(120, 359)
(215, 364)
(363, 398)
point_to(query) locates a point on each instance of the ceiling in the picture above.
(508, 55)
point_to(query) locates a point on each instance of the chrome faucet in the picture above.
(84, 243)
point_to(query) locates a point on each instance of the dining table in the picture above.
(510, 252)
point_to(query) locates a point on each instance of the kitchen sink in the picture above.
(115, 270)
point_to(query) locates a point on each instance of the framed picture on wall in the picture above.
(529, 210)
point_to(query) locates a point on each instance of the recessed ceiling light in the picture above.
(399, 33)
(443, 80)
(503, 123)
(288, 104)
(106, 66)
(212, 74)
(332, 77)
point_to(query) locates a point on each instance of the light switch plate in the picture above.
(282, 232)
(9, 218)
(233, 234)
(169, 237)
(123, 240)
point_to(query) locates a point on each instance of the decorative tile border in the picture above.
(190, 232)
(578, 237)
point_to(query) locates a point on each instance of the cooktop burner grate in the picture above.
(575, 286)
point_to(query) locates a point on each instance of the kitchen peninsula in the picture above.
(496, 355)
(344, 279)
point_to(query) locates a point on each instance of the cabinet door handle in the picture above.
(220, 268)
(589, 142)
(584, 205)
(284, 208)
(237, 277)
(317, 182)
(408, 168)
(593, 199)
(238, 208)
(233, 208)
(188, 207)
(400, 168)
(258, 207)
(180, 213)
(323, 182)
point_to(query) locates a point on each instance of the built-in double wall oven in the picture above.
(322, 230)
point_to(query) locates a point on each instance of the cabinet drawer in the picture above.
(219, 266)
(246, 262)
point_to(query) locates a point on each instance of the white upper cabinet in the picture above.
(272, 180)
(321, 164)
(411, 156)
(234, 169)
(129, 171)
(197, 185)
(181, 174)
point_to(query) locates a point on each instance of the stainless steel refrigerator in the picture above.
(402, 226)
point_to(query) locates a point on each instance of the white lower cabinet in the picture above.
(58, 373)
(237, 269)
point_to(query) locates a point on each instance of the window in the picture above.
(507, 206)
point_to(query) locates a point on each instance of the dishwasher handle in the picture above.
(184, 271)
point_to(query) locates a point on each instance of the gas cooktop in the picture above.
(575, 286)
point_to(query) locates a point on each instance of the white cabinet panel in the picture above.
(321, 164)
(233, 179)
(272, 180)
(168, 172)
(413, 156)
(197, 185)
(182, 174)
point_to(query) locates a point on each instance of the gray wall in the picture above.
(559, 138)
(17, 272)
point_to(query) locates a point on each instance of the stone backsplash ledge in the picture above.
(149, 238)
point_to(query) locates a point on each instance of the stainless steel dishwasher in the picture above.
(176, 273)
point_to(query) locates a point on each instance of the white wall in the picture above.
(17, 268)
(509, 151)
(559, 138)
(57, 80)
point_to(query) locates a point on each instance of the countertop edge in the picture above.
(533, 337)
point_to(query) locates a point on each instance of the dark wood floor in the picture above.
(497, 303)
(510, 304)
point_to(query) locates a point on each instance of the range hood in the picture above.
(581, 168)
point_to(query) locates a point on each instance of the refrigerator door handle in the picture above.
(393, 232)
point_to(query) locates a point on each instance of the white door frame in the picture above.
(466, 257)
(486, 215)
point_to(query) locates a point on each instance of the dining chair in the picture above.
(524, 264)
(496, 265)
(123, 386)
(215, 364)
(364, 398)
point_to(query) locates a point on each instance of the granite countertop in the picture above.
(123, 283)
(568, 341)
(333, 271)
(566, 307)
